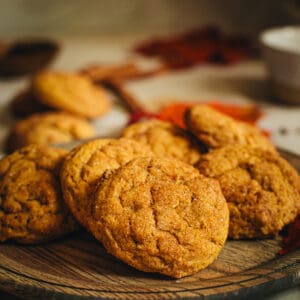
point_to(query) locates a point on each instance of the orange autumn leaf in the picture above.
(174, 112)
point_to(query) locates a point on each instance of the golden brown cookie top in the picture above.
(86, 164)
(261, 188)
(72, 93)
(217, 130)
(31, 205)
(160, 215)
(48, 128)
(165, 140)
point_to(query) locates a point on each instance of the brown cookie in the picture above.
(160, 215)
(25, 104)
(261, 189)
(87, 163)
(47, 129)
(165, 140)
(72, 93)
(31, 204)
(217, 130)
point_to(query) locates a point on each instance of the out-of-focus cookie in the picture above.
(86, 164)
(25, 104)
(32, 209)
(47, 129)
(160, 215)
(72, 93)
(261, 189)
(217, 130)
(165, 140)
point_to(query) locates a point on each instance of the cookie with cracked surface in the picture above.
(32, 209)
(160, 215)
(165, 140)
(47, 129)
(72, 93)
(85, 164)
(261, 188)
(217, 130)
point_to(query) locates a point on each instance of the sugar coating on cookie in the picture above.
(86, 164)
(72, 93)
(165, 140)
(32, 209)
(217, 130)
(261, 189)
(160, 215)
(48, 128)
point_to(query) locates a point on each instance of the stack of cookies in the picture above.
(56, 107)
(261, 188)
(158, 214)
(159, 197)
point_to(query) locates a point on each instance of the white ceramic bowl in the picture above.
(281, 51)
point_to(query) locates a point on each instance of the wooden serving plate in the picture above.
(78, 267)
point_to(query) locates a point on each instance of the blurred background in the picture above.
(69, 17)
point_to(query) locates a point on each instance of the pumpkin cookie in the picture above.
(31, 205)
(72, 93)
(165, 140)
(48, 128)
(25, 104)
(160, 215)
(261, 189)
(86, 164)
(217, 130)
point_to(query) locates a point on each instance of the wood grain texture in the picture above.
(78, 267)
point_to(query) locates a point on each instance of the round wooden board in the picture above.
(78, 267)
